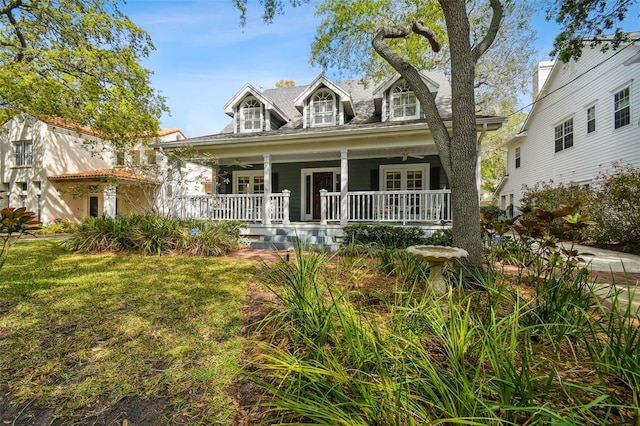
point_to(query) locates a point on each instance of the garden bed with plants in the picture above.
(358, 341)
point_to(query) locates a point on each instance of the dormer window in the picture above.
(323, 108)
(251, 115)
(403, 102)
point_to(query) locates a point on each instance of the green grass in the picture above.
(79, 333)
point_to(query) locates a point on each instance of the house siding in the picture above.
(571, 89)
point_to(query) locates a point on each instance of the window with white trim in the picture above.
(24, 153)
(564, 135)
(622, 108)
(251, 115)
(248, 182)
(403, 102)
(404, 177)
(591, 119)
(517, 157)
(323, 108)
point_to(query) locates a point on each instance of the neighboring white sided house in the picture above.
(62, 171)
(585, 118)
(329, 153)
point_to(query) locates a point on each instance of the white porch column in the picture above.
(285, 206)
(109, 201)
(323, 206)
(266, 197)
(344, 188)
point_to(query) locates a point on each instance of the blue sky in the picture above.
(203, 56)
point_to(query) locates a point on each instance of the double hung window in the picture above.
(622, 109)
(564, 135)
(24, 153)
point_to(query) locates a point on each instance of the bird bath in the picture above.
(437, 256)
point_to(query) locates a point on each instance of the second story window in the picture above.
(403, 102)
(251, 116)
(564, 135)
(323, 108)
(119, 158)
(622, 110)
(591, 119)
(517, 157)
(24, 153)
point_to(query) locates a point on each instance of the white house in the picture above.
(64, 171)
(329, 153)
(586, 116)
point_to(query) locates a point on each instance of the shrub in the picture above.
(386, 236)
(547, 196)
(60, 226)
(616, 209)
(492, 213)
(152, 234)
(442, 237)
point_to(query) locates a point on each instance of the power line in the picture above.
(538, 99)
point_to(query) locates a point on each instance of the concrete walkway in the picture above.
(621, 268)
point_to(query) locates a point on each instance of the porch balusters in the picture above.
(387, 206)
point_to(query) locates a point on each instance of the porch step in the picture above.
(290, 242)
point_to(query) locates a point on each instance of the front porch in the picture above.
(420, 207)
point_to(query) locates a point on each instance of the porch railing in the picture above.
(388, 206)
(243, 207)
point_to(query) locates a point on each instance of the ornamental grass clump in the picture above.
(490, 357)
(154, 235)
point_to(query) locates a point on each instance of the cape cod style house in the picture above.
(584, 119)
(60, 170)
(327, 154)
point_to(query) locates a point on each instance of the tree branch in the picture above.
(419, 28)
(487, 41)
(16, 27)
(13, 4)
(414, 79)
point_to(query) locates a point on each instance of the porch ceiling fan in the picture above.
(406, 154)
(242, 164)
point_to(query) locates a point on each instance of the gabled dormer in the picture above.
(253, 112)
(324, 103)
(395, 100)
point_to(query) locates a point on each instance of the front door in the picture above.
(323, 180)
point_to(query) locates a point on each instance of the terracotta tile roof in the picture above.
(117, 174)
(61, 122)
(57, 121)
(165, 132)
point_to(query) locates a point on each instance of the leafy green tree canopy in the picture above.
(78, 60)
(343, 43)
(586, 22)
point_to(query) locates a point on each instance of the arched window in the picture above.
(251, 115)
(403, 102)
(323, 108)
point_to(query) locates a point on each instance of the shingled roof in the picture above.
(362, 96)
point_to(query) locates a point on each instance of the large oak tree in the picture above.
(78, 60)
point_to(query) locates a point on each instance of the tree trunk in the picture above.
(464, 155)
(458, 150)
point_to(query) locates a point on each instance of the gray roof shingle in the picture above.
(361, 95)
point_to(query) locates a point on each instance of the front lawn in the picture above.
(100, 339)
